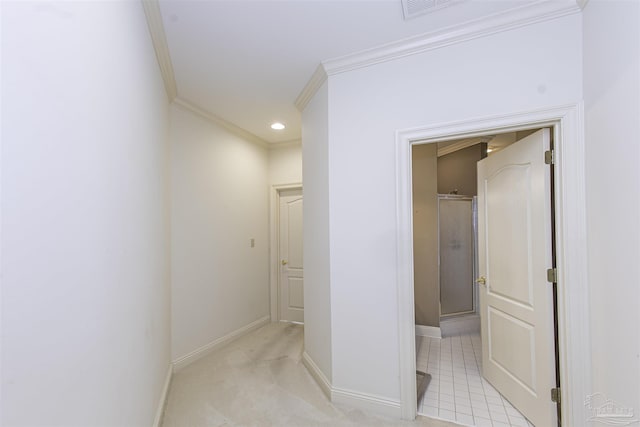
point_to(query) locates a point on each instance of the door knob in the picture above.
(482, 280)
(284, 262)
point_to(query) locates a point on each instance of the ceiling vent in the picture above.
(413, 8)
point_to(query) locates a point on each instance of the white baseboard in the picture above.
(363, 401)
(367, 403)
(460, 325)
(428, 331)
(162, 403)
(317, 374)
(189, 358)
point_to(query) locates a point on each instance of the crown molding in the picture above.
(582, 3)
(317, 79)
(460, 145)
(159, 39)
(541, 10)
(538, 11)
(230, 127)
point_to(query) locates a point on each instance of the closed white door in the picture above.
(516, 302)
(291, 278)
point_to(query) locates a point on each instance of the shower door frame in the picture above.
(474, 255)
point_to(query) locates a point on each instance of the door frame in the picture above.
(274, 237)
(567, 124)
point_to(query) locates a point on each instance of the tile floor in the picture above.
(457, 392)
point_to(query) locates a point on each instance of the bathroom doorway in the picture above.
(457, 361)
(445, 235)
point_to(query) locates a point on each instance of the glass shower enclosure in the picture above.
(457, 235)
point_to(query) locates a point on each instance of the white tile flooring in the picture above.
(457, 392)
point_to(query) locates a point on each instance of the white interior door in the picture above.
(516, 303)
(291, 278)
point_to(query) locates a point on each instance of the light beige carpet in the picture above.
(259, 380)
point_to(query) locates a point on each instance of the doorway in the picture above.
(570, 231)
(513, 188)
(291, 277)
(287, 278)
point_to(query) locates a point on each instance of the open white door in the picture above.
(516, 303)
(291, 280)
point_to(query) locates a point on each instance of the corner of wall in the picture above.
(164, 394)
(317, 374)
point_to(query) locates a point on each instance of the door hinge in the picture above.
(555, 395)
(548, 157)
(552, 275)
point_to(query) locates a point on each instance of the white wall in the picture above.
(219, 202)
(85, 289)
(612, 112)
(317, 294)
(285, 165)
(527, 68)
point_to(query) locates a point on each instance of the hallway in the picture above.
(259, 380)
(139, 173)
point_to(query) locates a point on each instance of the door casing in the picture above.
(570, 234)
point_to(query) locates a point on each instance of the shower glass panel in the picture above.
(456, 235)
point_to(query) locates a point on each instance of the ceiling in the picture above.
(494, 142)
(246, 61)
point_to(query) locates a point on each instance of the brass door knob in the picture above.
(482, 280)
(284, 262)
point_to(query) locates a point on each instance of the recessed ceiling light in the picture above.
(277, 126)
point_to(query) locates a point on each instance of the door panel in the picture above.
(516, 303)
(294, 232)
(291, 277)
(509, 332)
(508, 210)
(296, 293)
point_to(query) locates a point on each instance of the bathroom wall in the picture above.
(457, 170)
(425, 235)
